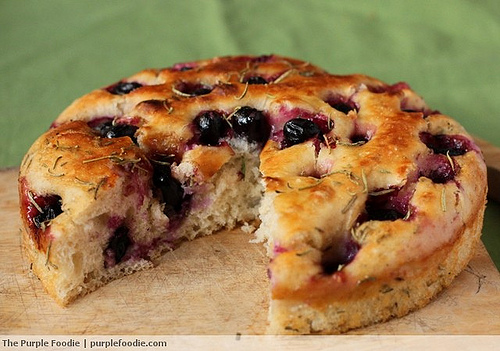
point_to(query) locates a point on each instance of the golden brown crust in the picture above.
(353, 217)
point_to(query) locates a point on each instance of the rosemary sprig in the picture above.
(162, 163)
(352, 177)
(167, 107)
(49, 264)
(229, 76)
(243, 93)
(228, 117)
(27, 161)
(43, 226)
(408, 214)
(349, 204)
(381, 192)
(384, 171)
(346, 143)
(306, 73)
(366, 279)
(386, 289)
(48, 253)
(51, 172)
(244, 71)
(303, 253)
(303, 65)
(357, 235)
(443, 199)
(329, 124)
(83, 182)
(180, 93)
(108, 157)
(64, 148)
(450, 160)
(365, 183)
(327, 141)
(56, 161)
(283, 76)
(33, 202)
(318, 182)
(107, 143)
(114, 158)
(92, 186)
(54, 165)
(101, 183)
(27, 158)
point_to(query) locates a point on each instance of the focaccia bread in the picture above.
(367, 201)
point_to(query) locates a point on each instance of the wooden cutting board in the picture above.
(213, 285)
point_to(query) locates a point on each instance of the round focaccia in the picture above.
(367, 201)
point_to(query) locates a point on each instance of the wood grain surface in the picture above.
(214, 285)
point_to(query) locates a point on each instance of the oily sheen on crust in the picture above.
(370, 202)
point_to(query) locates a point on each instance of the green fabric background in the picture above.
(52, 52)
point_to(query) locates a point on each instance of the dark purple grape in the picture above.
(210, 126)
(200, 90)
(193, 89)
(338, 255)
(342, 104)
(251, 124)
(359, 138)
(298, 130)
(343, 107)
(117, 246)
(51, 208)
(387, 207)
(255, 80)
(438, 168)
(454, 145)
(122, 88)
(109, 129)
(170, 190)
(383, 214)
